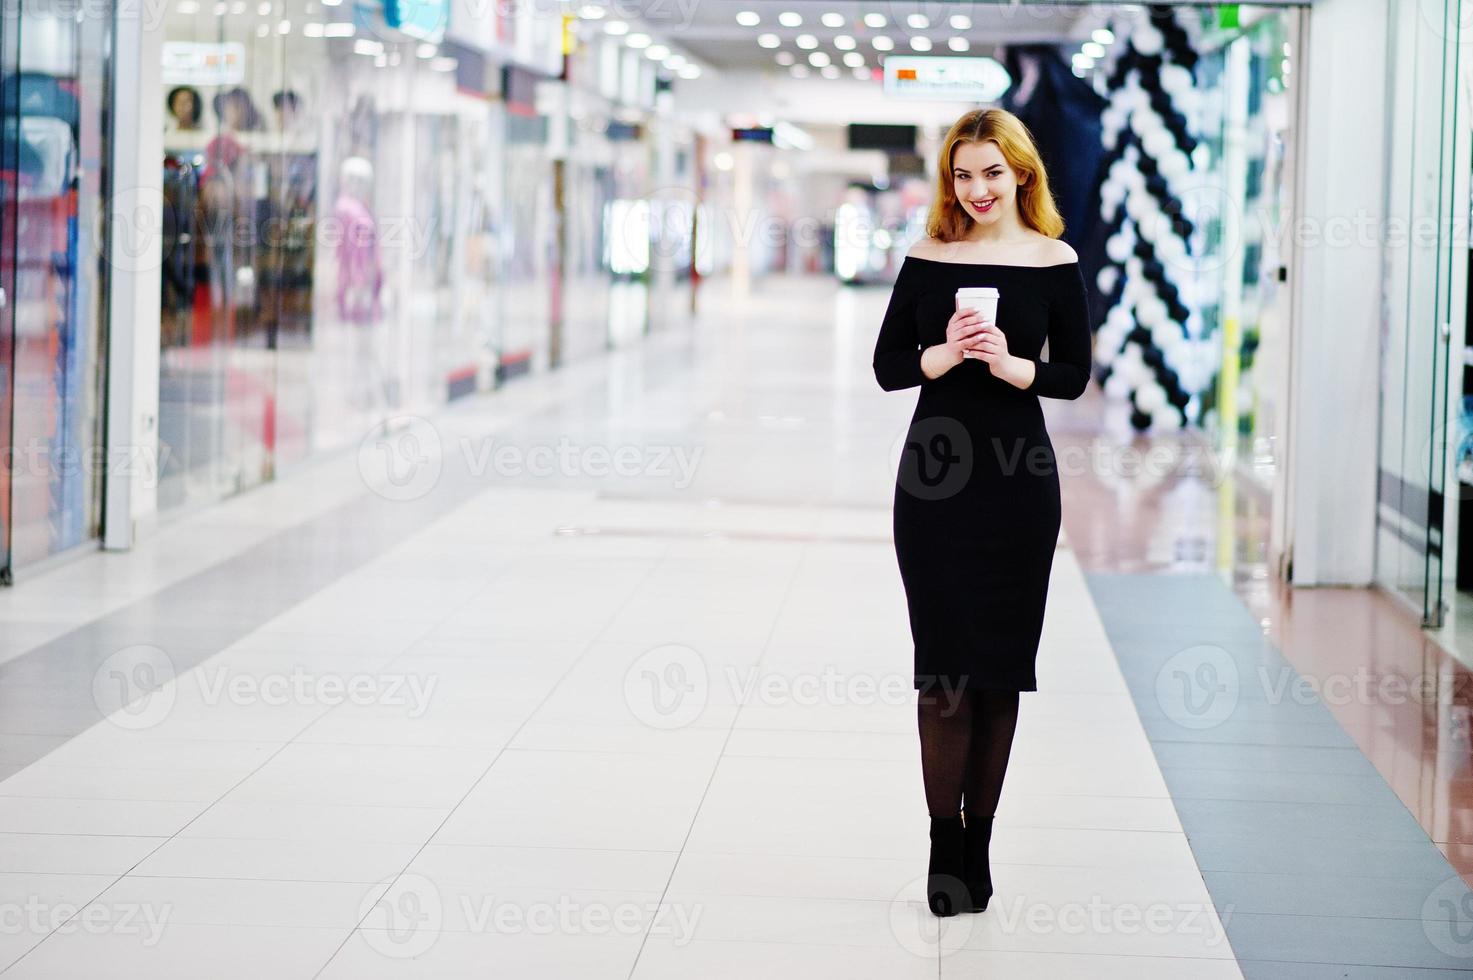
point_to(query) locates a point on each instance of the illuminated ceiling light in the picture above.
(690, 71)
(806, 41)
(365, 46)
(785, 58)
(638, 41)
(920, 43)
(1104, 36)
(959, 44)
(285, 27)
(854, 59)
(1082, 62)
(818, 59)
(844, 42)
(426, 50)
(341, 29)
(748, 18)
(264, 8)
(960, 22)
(591, 11)
(789, 18)
(882, 43)
(657, 52)
(769, 40)
(312, 30)
(918, 22)
(875, 20)
(675, 62)
(187, 7)
(1094, 50)
(832, 19)
(616, 27)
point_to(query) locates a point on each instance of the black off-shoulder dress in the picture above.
(977, 511)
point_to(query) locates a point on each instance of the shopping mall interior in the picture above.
(467, 505)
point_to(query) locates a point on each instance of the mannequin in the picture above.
(360, 274)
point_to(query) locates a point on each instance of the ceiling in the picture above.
(709, 30)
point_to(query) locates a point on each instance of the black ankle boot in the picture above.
(946, 894)
(976, 868)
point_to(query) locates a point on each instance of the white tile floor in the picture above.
(682, 746)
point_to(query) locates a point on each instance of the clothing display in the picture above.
(976, 506)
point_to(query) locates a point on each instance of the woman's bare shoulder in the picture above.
(925, 247)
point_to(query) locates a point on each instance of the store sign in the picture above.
(422, 19)
(945, 78)
(204, 62)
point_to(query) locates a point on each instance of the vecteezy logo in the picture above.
(935, 459)
(918, 931)
(405, 919)
(1198, 687)
(1447, 918)
(402, 459)
(134, 688)
(667, 687)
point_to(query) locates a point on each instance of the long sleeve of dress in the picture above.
(897, 360)
(1066, 373)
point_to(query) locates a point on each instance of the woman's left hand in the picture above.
(991, 346)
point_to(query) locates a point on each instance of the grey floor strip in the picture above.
(1315, 866)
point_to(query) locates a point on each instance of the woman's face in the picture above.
(985, 186)
(183, 106)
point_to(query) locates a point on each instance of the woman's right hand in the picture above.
(962, 331)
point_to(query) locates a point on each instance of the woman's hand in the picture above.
(991, 345)
(962, 331)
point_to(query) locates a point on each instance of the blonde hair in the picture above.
(946, 220)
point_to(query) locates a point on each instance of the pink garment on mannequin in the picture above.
(359, 273)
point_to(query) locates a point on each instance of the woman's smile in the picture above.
(982, 207)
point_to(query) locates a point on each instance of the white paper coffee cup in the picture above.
(983, 299)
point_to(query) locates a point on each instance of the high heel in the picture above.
(946, 894)
(976, 867)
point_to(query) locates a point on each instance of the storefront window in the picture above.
(53, 153)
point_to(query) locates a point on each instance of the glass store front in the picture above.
(54, 65)
(335, 229)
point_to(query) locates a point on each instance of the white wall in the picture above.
(1343, 122)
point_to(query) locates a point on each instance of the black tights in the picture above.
(965, 740)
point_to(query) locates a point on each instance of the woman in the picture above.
(977, 492)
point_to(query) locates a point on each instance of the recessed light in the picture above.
(806, 41)
(818, 59)
(1104, 36)
(918, 22)
(637, 41)
(657, 52)
(789, 18)
(961, 22)
(1094, 49)
(920, 43)
(769, 41)
(832, 19)
(690, 71)
(875, 20)
(854, 59)
(591, 11)
(748, 18)
(882, 43)
(843, 42)
(959, 44)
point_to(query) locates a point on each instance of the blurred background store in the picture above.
(307, 218)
